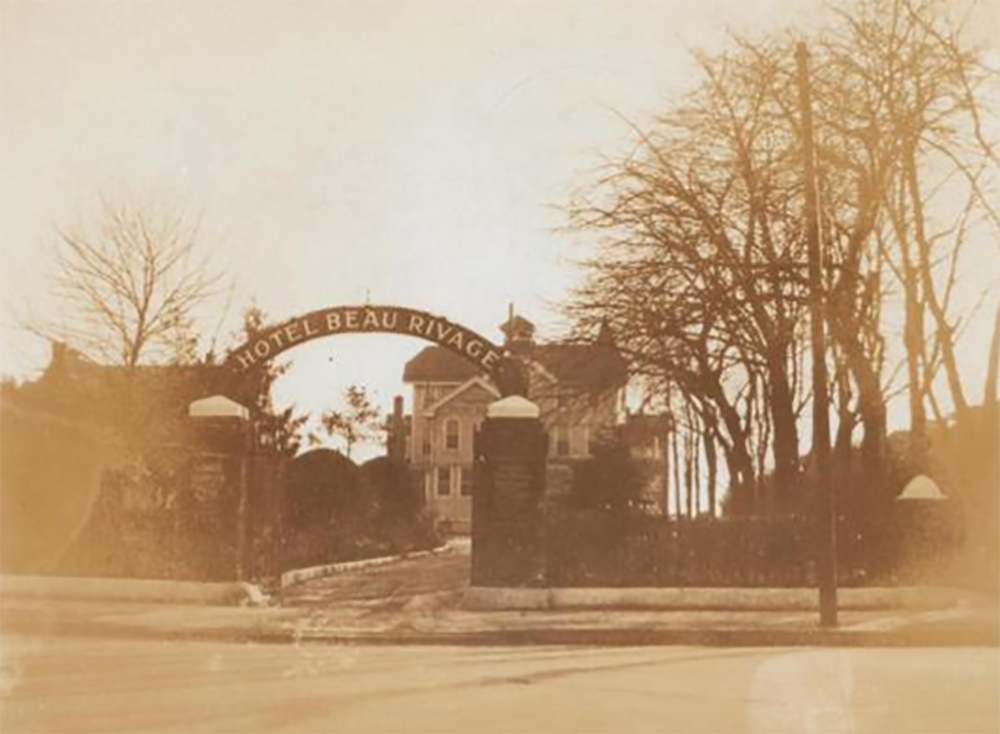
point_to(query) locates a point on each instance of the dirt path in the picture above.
(399, 582)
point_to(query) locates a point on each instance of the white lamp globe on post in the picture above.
(921, 488)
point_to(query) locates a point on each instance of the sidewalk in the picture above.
(130, 590)
(436, 619)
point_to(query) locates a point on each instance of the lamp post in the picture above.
(222, 411)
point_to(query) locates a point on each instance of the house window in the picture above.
(426, 444)
(451, 428)
(443, 481)
(560, 439)
(465, 481)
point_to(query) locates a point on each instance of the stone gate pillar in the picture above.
(218, 491)
(508, 496)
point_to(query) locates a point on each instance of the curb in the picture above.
(236, 593)
(480, 598)
(297, 576)
(583, 637)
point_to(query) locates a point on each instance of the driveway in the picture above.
(395, 583)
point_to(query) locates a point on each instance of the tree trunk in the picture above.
(688, 477)
(871, 402)
(845, 421)
(846, 328)
(913, 337)
(675, 460)
(665, 477)
(711, 459)
(786, 436)
(696, 460)
(914, 340)
(741, 471)
(945, 338)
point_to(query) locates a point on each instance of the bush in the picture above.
(387, 482)
(336, 511)
(610, 481)
(322, 484)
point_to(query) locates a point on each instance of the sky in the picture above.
(410, 153)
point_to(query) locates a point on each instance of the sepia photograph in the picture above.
(473, 366)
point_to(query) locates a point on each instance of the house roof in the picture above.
(474, 382)
(591, 367)
(437, 364)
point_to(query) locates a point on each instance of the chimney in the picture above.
(396, 438)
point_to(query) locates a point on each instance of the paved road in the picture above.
(90, 685)
(394, 583)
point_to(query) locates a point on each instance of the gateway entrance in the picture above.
(490, 358)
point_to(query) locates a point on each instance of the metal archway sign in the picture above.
(466, 343)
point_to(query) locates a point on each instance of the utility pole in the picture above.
(825, 501)
(665, 449)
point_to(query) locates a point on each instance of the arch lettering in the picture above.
(465, 342)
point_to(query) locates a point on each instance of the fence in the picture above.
(605, 550)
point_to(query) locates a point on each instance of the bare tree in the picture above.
(126, 287)
(910, 175)
(701, 270)
(701, 267)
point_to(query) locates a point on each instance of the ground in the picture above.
(89, 685)
(98, 665)
(396, 583)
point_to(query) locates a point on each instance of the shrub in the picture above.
(611, 480)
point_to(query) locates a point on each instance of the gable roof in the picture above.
(437, 364)
(590, 367)
(475, 381)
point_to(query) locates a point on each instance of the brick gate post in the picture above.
(508, 496)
